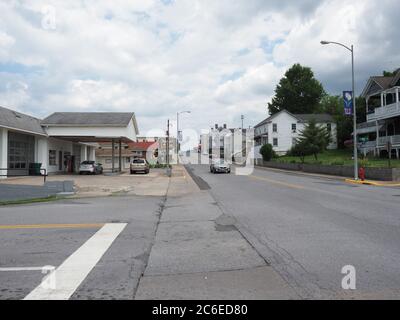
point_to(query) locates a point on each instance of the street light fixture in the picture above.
(355, 152)
(177, 133)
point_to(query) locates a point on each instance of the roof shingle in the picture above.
(89, 119)
(16, 120)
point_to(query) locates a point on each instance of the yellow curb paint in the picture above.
(52, 226)
(289, 185)
(372, 183)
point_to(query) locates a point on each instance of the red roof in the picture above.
(142, 145)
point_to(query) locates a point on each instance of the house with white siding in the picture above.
(282, 129)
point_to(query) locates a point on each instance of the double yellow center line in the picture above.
(53, 226)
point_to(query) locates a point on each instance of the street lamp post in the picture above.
(177, 134)
(355, 152)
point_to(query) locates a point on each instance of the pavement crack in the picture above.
(146, 255)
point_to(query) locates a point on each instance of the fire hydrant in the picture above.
(361, 173)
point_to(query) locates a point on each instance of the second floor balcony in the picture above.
(390, 106)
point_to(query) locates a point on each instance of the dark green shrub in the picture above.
(267, 152)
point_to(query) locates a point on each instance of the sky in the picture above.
(217, 58)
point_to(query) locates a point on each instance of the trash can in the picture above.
(34, 169)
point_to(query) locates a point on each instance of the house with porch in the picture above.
(380, 134)
(59, 142)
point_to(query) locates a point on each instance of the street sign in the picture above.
(348, 102)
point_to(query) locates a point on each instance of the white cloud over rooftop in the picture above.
(221, 59)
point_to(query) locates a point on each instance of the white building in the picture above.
(281, 130)
(226, 143)
(59, 142)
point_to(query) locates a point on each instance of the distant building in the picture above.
(224, 143)
(281, 130)
(154, 149)
(129, 151)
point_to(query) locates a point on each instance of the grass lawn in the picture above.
(340, 157)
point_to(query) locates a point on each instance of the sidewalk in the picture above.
(199, 254)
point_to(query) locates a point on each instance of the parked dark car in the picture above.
(90, 167)
(139, 165)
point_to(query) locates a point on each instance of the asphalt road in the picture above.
(309, 228)
(48, 234)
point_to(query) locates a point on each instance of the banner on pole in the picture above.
(348, 102)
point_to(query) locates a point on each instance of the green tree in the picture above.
(298, 92)
(301, 150)
(333, 105)
(267, 152)
(313, 138)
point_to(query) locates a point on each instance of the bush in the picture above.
(267, 152)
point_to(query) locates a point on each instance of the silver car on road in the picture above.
(220, 165)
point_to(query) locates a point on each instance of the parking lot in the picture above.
(153, 184)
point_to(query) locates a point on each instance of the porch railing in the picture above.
(384, 112)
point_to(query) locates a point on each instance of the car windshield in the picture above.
(87, 162)
(138, 161)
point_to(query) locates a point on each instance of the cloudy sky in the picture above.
(217, 58)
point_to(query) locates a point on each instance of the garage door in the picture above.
(21, 152)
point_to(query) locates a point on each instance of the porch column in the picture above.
(377, 136)
(120, 156)
(397, 99)
(43, 152)
(3, 151)
(92, 153)
(382, 104)
(112, 154)
(84, 153)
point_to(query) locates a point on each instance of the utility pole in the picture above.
(242, 117)
(355, 150)
(167, 155)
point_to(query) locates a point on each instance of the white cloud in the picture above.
(221, 59)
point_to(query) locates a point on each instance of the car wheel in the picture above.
(80, 172)
(147, 171)
(132, 172)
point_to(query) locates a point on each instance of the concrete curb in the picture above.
(373, 183)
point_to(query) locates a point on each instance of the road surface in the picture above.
(309, 228)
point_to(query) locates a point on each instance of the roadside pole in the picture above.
(167, 155)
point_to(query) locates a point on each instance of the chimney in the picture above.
(216, 126)
(224, 125)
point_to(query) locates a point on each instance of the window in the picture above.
(294, 127)
(329, 127)
(275, 142)
(127, 159)
(52, 157)
(274, 127)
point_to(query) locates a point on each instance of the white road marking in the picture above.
(71, 273)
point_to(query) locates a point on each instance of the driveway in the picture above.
(153, 184)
